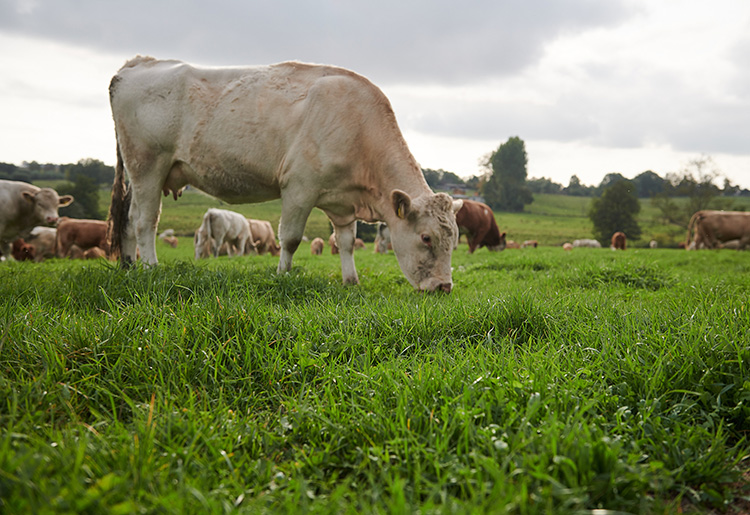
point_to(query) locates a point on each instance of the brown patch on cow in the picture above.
(22, 251)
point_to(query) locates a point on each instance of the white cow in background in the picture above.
(220, 226)
(587, 243)
(24, 206)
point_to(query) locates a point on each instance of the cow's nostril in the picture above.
(446, 287)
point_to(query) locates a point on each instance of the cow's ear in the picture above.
(401, 203)
(66, 200)
(28, 196)
(457, 205)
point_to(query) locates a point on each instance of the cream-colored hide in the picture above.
(312, 135)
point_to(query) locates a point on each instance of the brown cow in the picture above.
(530, 243)
(316, 246)
(22, 251)
(171, 241)
(82, 233)
(265, 239)
(567, 246)
(618, 241)
(512, 245)
(332, 244)
(714, 228)
(359, 244)
(477, 222)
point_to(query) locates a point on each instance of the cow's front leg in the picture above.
(345, 236)
(291, 229)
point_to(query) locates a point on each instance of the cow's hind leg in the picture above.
(345, 236)
(291, 229)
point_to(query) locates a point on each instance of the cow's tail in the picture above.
(119, 209)
(691, 225)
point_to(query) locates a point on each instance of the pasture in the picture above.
(547, 382)
(550, 219)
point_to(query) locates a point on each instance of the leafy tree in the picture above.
(432, 177)
(506, 189)
(440, 179)
(544, 185)
(576, 189)
(615, 211)
(730, 189)
(695, 182)
(648, 184)
(608, 181)
(8, 171)
(92, 168)
(86, 194)
(473, 182)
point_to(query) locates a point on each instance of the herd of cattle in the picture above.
(30, 229)
(310, 135)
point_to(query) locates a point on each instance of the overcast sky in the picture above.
(591, 86)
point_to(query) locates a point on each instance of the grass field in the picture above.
(547, 382)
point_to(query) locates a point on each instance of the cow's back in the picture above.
(221, 126)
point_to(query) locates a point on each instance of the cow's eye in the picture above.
(426, 239)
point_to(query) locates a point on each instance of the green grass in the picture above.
(547, 382)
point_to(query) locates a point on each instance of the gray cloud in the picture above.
(419, 41)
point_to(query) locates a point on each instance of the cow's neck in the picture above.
(414, 186)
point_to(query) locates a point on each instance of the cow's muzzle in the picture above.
(439, 287)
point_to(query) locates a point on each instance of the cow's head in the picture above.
(45, 203)
(500, 246)
(423, 235)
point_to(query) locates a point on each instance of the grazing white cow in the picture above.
(220, 226)
(587, 243)
(23, 207)
(312, 135)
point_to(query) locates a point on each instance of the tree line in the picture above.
(504, 187)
